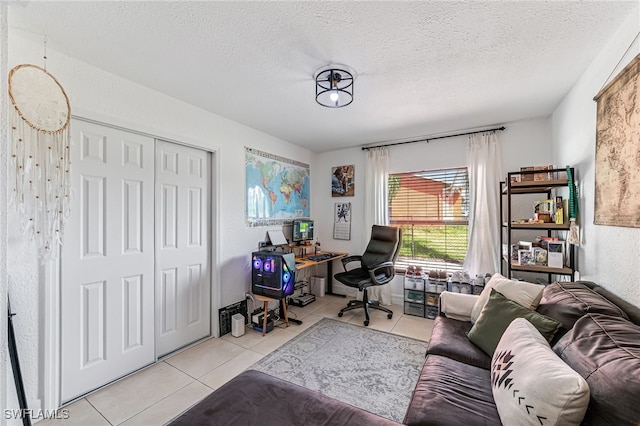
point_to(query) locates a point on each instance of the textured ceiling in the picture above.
(421, 67)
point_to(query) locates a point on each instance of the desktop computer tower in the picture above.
(272, 273)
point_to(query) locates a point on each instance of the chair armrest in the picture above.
(382, 278)
(346, 260)
(457, 306)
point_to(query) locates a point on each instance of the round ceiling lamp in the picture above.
(334, 86)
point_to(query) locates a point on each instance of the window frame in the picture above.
(450, 179)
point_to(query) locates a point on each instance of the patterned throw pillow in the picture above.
(521, 292)
(531, 385)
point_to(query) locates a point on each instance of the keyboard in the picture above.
(323, 256)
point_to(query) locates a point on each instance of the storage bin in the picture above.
(431, 286)
(432, 312)
(441, 286)
(465, 288)
(477, 289)
(453, 287)
(414, 309)
(414, 296)
(409, 282)
(432, 299)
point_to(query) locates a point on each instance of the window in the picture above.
(432, 208)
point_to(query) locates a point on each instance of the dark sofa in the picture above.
(599, 338)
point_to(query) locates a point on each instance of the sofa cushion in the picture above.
(496, 317)
(451, 393)
(531, 385)
(522, 292)
(605, 350)
(449, 338)
(255, 398)
(567, 302)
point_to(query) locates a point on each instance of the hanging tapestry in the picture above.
(617, 180)
(39, 153)
(277, 189)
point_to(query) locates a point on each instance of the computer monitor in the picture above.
(302, 230)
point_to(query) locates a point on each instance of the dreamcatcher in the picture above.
(39, 150)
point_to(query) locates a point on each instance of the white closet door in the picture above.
(107, 268)
(183, 275)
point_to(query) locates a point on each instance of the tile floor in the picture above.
(160, 392)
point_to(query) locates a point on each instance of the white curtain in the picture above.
(376, 207)
(484, 162)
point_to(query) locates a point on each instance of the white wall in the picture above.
(524, 143)
(607, 255)
(4, 70)
(105, 97)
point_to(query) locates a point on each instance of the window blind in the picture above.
(432, 208)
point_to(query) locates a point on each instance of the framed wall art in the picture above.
(342, 221)
(342, 181)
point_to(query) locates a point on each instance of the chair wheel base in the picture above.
(389, 316)
(366, 323)
(340, 314)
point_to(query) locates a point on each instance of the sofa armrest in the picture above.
(457, 306)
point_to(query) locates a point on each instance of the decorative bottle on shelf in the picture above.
(316, 248)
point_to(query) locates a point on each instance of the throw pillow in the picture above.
(605, 350)
(524, 293)
(496, 317)
(568, 302)
(530, 383)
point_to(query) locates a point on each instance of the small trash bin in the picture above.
(237, 325)
(317, 286)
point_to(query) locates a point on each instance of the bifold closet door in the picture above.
(107, 267)
(183, 275)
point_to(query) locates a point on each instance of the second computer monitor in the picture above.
(302, 230)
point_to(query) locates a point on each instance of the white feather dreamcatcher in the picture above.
(39, 144)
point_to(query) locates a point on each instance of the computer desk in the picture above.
(305, 262)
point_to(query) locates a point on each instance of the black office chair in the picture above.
(376, 268)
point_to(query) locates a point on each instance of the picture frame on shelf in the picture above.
(525, 245)
(525, 257)
(540, 256)
(555, 254)
(514, 252)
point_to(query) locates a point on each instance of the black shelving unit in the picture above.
(511, 188)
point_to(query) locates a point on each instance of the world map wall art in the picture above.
(277, 189)
(617, 181)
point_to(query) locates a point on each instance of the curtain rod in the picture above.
(367, 148)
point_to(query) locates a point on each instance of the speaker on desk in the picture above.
(272, 273)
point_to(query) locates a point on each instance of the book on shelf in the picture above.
(543, 176)
(525, 177)
(545, 173)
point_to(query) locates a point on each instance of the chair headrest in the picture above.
(383, 246)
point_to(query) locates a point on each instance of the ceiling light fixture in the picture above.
(334, 87)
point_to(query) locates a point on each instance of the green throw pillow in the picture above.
(496, 316)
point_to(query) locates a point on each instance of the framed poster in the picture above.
(277, 189)
(342, 221)
(342, 181)
(617, 181)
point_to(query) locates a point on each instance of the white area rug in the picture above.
(367, 368)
